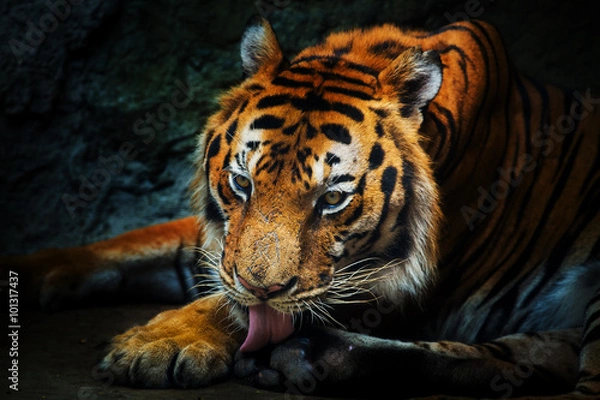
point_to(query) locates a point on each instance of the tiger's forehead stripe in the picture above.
(314, 102)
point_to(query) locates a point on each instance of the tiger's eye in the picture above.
(242, 181)
(333, 198)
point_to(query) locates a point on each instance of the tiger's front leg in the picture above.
(188, 347)
(330, 361)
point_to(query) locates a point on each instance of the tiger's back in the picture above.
(518, 166)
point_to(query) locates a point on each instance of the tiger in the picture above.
(392, 208)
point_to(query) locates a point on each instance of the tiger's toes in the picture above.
(165, 363)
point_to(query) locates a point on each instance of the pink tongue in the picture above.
(267, 325)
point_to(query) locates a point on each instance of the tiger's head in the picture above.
(312, 179)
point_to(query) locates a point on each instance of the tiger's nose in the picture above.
(265, 293)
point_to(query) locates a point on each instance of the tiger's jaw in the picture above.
(267, 312)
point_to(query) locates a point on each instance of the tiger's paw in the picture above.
(179, 348)
(313, 362)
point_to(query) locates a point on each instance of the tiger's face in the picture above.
(312, 178)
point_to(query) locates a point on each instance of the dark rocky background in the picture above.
(80, 82)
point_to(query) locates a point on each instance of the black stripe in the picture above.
(388, 180)
(388, 48)
(231, 131)
(226, 160)
(406, 111)
(212, 210)
(408, 176)
(526, 105)
(282, 81)
(221, 193)
(355, 215)
(314, 102)
(592, 185)
(569, 136)
(591, 336)
(376, 156)
(380, 113)
(336, 132)
(450, 121)
(230, 108)
(343, 178)
(452, 165)
(214, 147)
(256, 87)
(403, 244)
(267, 122)
(273, 101)
(362, 68)
(593, 300)
(387, 186)
(525, 99)
(559, 252)
(441, 133)
(544, 114)
(303, 154)
(356, 236)
(446, 130)
(243, 107)
(342, 51)
(595, 317)
(302, 70)
(360, 189)
(462, 64)
(349, 92)
(290, 130)
(311, 131)
(379, 129)
(498, 74)
(279, 148)
(332, 60)
(331, 159)
(253, 144)
(335, 76)
(410, 91)
(263, 163)
(349, 111)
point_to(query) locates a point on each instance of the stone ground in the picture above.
(58, 352)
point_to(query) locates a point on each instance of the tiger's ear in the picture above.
(415, 77)
(259, 48)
